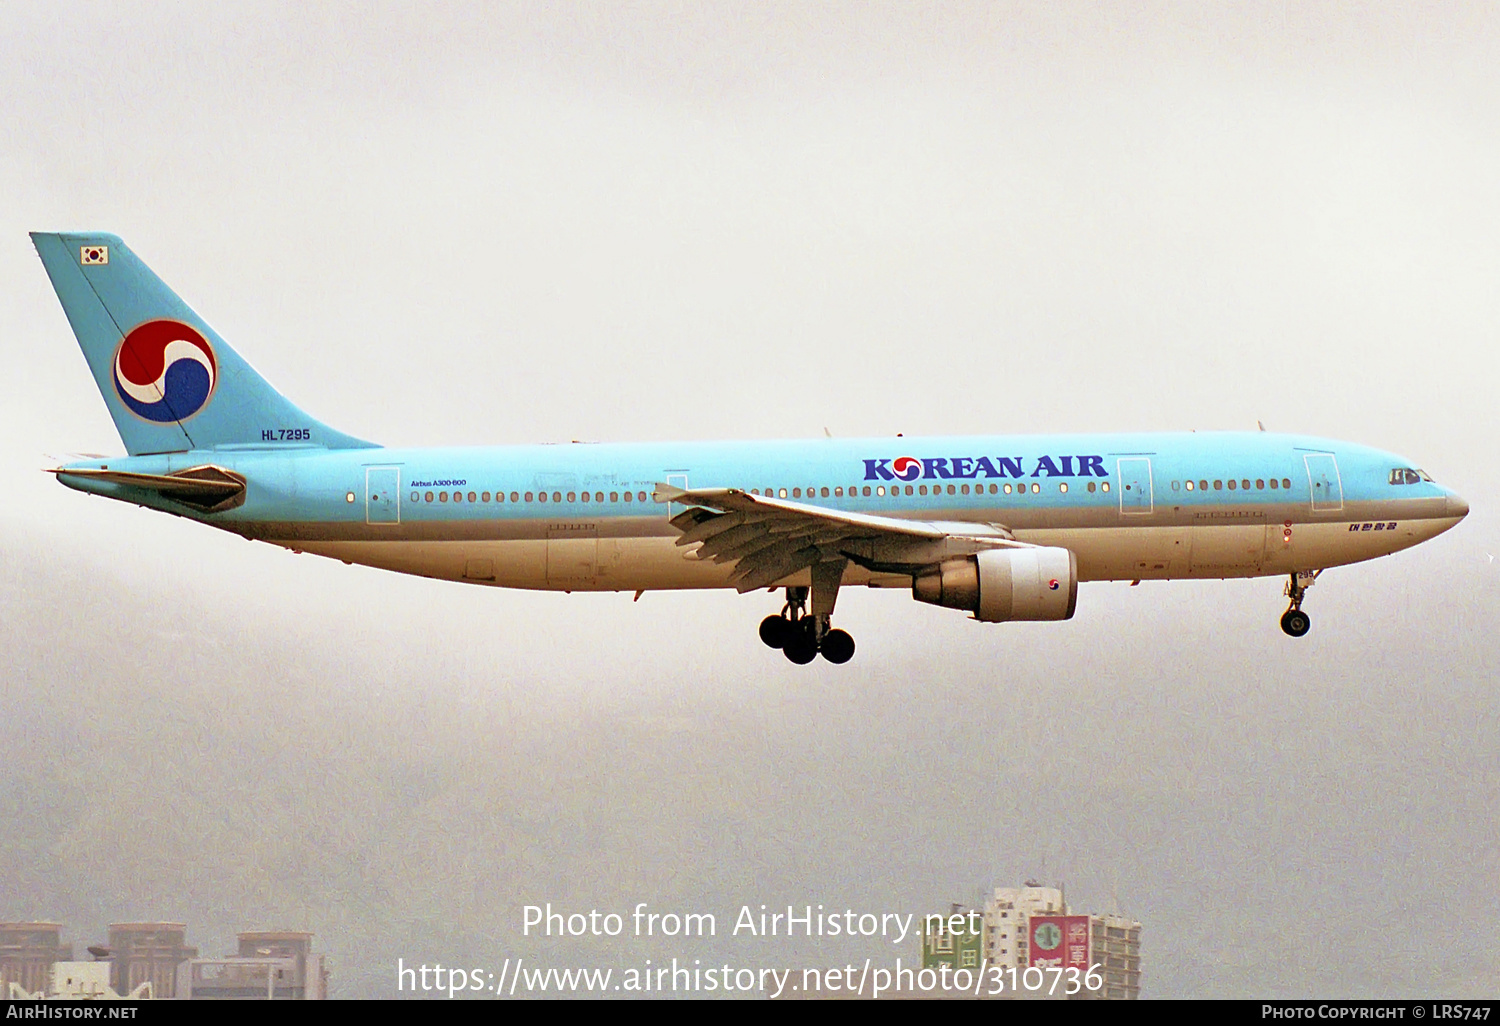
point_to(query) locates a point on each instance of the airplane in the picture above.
(1002, 527)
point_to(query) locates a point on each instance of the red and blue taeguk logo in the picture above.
(165, 371)
(906, 468)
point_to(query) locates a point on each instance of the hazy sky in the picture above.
(443, 225)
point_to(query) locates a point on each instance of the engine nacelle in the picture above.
(1004, 584)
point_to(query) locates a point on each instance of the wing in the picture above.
(769, 539)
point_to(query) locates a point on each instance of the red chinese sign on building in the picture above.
(1059, 941)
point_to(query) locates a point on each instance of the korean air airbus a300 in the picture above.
(1003, 527)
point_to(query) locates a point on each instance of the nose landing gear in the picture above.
(802, 636)
(1294, 621)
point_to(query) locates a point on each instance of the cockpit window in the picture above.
(1406, 476)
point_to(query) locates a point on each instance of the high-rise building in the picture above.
(273, 965)
(1007, 914)
(1112, 943)
(148, 952)
(1116, 950)
(27, 951)
(955, 940)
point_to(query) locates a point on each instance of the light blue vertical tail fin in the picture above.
(170, 382)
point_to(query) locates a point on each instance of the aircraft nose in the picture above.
(1457, 506)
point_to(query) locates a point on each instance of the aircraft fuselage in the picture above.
(581, 517)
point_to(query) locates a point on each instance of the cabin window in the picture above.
(823, 492)
(584, 496)
(1092, 486)
(952, 490)
(796, 493)
(964, 489)
(1218, 485)
(867, 491)
(1245, 484)
(629, 497)
(1062, 486)
(442, 496)
(1260, 485)
(598, 496)
(640, 496)
(839, 492)
(1188, 485)
(1176, 485)
(1286, 482)
(528, 497)
(1203, 486)
(541, 496)
(880, 489)
(1274, 482)
(415, 497)
(514, 497)
(1007, 489)
(1104, 487)
(921, 489)
(1231, 484)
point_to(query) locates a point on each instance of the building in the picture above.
(1116, 949)
(148, 953)
(1007, 915)
(955, 940)
(27, 951)
(80, 981)
(1012, 915)
(272, 965)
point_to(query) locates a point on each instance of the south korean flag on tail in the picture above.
(93, 255)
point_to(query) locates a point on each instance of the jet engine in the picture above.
(1004, 584)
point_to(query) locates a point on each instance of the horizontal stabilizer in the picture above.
(206, 487)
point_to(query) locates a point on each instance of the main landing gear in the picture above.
(1294, 621)
(800, 635)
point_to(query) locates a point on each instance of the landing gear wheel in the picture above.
(801, 644)
(838, 646)
(1295, 622)
(775, 630)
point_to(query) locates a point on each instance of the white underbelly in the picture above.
(573, 563)
(1229, 549)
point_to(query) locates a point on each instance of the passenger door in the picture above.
(1135, 486)
(1324, 483)
(382, 495)
(678, 479)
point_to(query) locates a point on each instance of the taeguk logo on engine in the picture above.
(165, 371)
